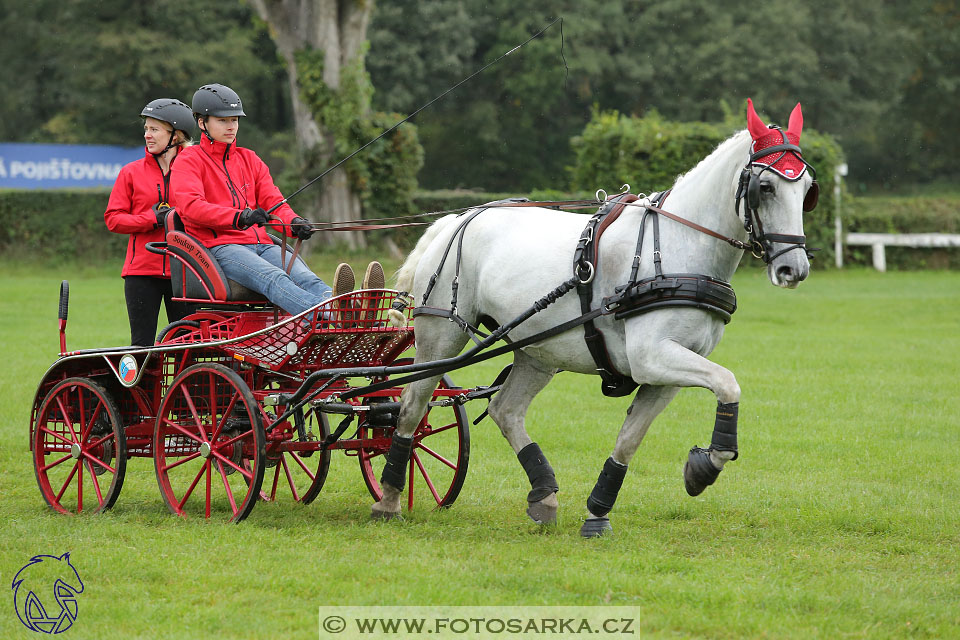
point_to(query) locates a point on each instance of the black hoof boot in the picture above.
(595, 527)
(699, 473)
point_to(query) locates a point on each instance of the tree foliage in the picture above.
(882, 77)
(80, 71)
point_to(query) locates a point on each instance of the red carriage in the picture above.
(234, 403)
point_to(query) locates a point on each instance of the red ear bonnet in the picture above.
(789, 164)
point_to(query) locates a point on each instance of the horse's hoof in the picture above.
(544, 511)
(699, 473)
(377, 514)
(595, 527)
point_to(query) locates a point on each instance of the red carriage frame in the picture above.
(211, 403)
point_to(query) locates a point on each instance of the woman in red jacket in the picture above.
(138, 201)
(222, 191)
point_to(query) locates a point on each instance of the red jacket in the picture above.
(140, 185)
(214, 182)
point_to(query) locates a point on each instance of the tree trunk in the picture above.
(338, 28)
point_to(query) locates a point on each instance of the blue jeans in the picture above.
(257, 267)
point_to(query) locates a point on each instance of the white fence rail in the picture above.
(880, 241)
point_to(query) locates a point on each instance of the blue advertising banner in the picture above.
(61, 166)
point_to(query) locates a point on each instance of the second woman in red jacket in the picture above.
(139, 198)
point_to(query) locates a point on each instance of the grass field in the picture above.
(839, 520)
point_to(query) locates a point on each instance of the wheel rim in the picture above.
(79, 449)
(299, 474)
(208, 419)
(438, 462)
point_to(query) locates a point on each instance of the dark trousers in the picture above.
(144, 294)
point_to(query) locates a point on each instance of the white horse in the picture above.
(510, 256)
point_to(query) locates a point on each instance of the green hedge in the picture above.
(57, 226)
(650, 152)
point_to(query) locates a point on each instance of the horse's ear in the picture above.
(754, 123)
(796, 121)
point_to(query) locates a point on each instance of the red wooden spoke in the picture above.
(180, 461)
(206, 512)
(226, 485)
(223, 419)
(273, 487)
(96, 483)
(79, 488)
(56, 435)
(221, 458)
(426, 477)
(85, 431)
(100, 462)
(286, 471)
(304, 466)
(56, 462)
(193, 409)
(183, 431)
(441, 429)
(97, 443)
(67, 481)
(66, 418)
(193, 485)
(437, 456)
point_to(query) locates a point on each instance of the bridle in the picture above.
(748, 192)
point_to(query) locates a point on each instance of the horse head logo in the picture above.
(39, 577)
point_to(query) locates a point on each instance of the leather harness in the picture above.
(658, 292)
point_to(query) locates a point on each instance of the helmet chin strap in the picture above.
(170, 145)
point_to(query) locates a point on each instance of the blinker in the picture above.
(813, 195)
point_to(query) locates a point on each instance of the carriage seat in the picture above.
(195, 273)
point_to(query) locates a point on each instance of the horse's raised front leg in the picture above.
(508, 409)
(671, 364)
(646, 405)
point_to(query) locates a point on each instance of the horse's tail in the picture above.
(409, 269)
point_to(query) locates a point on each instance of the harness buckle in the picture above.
(591, 273)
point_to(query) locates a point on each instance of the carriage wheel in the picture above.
(79, 449)
(176, 329)
(208, 444)
(302, 473)
(438, 463)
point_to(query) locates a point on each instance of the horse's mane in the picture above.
(727, 151)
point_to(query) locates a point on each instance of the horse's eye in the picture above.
(766, 187)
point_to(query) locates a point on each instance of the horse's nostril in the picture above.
(785, 273)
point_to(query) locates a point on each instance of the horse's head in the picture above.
(775, 189)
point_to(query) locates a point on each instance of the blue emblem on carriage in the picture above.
(45, 593)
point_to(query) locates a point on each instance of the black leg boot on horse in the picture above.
(542, 504)
(704, 465)
(394, 475)
(602, 499)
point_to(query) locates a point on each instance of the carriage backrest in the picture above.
(201, 279)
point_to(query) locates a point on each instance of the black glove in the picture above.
(249, 217)
(160, 211)
(302, 228)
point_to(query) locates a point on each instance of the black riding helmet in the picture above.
(174, 113)
(217, 100)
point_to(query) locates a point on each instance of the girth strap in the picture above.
(585, 264)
